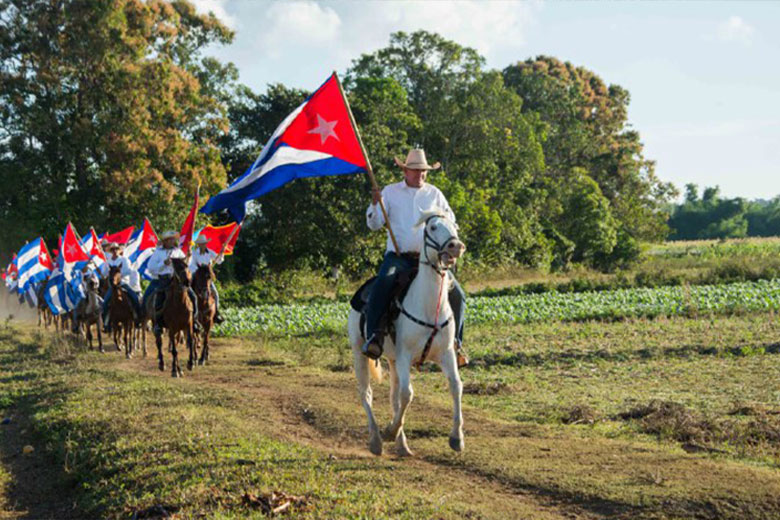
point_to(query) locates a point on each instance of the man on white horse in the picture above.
(202, 255)
(131, 282)
(404, 202)
(161, 271)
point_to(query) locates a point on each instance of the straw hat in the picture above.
(169, 234)
(416, 160)
(202, 239)
(111, 246)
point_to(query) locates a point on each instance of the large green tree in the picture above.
(109, 112)
(588, 130)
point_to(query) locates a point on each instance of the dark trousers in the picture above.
(379, 300)
(157, 288)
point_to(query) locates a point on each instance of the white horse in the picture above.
(425, 330)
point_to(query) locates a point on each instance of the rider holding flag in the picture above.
(404, 202)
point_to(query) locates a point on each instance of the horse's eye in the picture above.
(433, 227)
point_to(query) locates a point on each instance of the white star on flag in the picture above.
(324, 129)
(43, 256)
(72, 249)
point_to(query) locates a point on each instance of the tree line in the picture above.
(711, 216)
(111, 111)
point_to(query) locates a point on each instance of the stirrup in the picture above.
(218, 319)
(372, 348)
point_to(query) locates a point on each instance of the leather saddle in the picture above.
(359, 301)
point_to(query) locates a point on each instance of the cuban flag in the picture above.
(317, 139)
(54, 293)
(34, 263)
(140, 248)
(222, 239)
(91, 244)
(72, 254)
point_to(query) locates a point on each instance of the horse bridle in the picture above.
(429, 241)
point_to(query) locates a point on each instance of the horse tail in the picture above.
(375, 369)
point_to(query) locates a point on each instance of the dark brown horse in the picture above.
(120, 312)
(207, 306)
(177, 314)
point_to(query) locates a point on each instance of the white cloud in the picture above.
(735, 29)
(218, 8)
(291, 26)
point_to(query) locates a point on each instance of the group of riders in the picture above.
(403, 203)
(159, 269)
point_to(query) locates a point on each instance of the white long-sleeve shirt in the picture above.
(129, 273)
(156, 266)
(404, 206)
(198, 259)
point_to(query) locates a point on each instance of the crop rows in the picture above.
(622, 303)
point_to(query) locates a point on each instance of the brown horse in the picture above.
(120, 312)
(207, 306)
(177, 315)
(89, 312)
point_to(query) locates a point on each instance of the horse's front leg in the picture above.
(100, 332)
(175, 369)
(405, 395)
(204, 351)
(128, 339)
(191, 347)
(160, 359)
(449, 365)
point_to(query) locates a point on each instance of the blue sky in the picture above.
(704, 77)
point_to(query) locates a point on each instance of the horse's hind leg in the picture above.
(406, 394)
(366, 399)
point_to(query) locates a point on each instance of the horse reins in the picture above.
(429, 241)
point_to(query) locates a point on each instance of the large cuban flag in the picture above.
(315, 140)
(140, 247)
(33, 263)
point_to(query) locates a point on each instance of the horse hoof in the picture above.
(404, 451)
(161, 366)
(201, 362)
(456, 444)
(375, 446)
(388, 435)
(189, 366)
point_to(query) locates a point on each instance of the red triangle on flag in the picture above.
(71, 246)
(324, 126)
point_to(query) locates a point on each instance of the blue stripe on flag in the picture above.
(234, 201)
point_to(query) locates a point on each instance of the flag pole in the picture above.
(232, 234)
(369, 170)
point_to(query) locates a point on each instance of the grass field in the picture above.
(638, 418)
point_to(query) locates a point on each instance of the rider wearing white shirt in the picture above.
(202, 255)
(130, 282)
(160, 269)
(404, 202)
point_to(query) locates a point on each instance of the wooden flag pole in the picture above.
(232, 234)
(369, 170)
